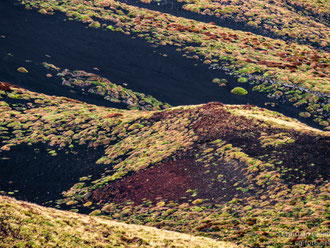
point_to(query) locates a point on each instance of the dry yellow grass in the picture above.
(46, 227)
(270, 117)
(275, 119)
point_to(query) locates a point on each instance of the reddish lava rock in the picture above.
(167, 181)
(173, 181)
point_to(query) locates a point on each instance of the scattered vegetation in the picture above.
(235, 173)
(221, 82)
(24, 224)
(215, 170)
(273, 65)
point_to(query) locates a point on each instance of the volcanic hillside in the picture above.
(223, 171)
(113, 109)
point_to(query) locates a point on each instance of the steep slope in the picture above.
(24, 224)
(232, 172)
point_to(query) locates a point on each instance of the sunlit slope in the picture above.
(26, 224)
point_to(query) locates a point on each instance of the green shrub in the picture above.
(216, 80)
(239, 91)
(304, 114)
(242, 80)
(110, 27)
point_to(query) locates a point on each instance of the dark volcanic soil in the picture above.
(70, 44)
(39, 177)
(121, 59)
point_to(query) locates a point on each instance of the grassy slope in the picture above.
(238, 173)
(279, 17)
(24, 224)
